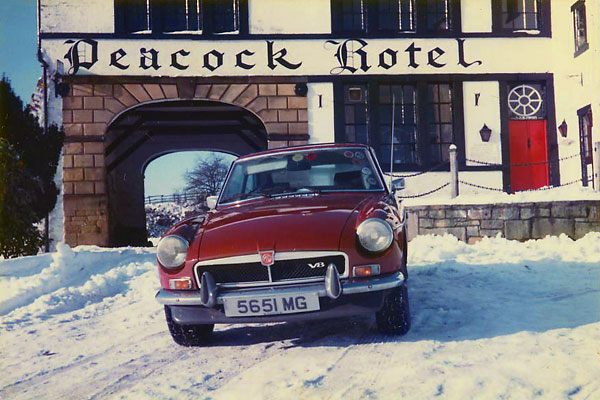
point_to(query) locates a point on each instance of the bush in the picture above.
(160, 217)
(28, 162)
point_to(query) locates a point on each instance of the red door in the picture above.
(528, 146)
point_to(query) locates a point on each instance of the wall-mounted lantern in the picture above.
(562, 128)
(301, 89)
(485, 133)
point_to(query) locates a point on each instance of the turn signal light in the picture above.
(180, 284)
(366, 270)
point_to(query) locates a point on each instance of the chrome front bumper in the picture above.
(213, 296)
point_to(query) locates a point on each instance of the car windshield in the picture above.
(302, 171)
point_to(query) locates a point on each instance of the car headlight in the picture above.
(375, 234)
(172, 251)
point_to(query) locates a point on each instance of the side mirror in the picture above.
(398, 184)
(211, 202)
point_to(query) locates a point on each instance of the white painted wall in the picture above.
(90, 16)
(485, 111)
(286, 16)
(476, 15)
(576, 80)
(320, 115)
(56, 217)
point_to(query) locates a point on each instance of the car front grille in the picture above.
(283, 270)
(236, 273)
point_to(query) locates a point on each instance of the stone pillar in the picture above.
(84, 177)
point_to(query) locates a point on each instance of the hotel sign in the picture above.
(357, 56)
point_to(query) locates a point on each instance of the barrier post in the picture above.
(453, 171)
(596, 164)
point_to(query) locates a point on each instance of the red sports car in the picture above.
(297, 233)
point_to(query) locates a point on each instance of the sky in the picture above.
(18, 45)
(165, 174)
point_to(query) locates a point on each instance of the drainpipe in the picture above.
(44, 105)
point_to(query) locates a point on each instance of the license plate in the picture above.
(271, 305)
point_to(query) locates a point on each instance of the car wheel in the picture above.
(188, 335)
(394, 316)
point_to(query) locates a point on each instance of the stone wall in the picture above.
(515, 221)
(94, 102)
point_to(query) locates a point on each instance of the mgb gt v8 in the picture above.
(296, 234)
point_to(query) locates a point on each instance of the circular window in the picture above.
(524, 101)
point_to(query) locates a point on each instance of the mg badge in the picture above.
(267, 258)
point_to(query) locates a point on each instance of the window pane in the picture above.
(438, 15)
(225, 16)
(440, 121)
(395, 15)
(407, 15)
(355, 114)
(353, 15)
(349, 110)
(361, 134)
(403, 154)
(173, 14)
(132, 16)
(520, 14)
(445, 113)
(388, 13)
(399, 100)
(444, 91)
(580, 27)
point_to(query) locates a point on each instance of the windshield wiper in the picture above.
(300, 191)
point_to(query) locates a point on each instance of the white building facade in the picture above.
(513, 83)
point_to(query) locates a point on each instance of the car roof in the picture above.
(305, 147)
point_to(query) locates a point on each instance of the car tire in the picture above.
(188, 335)
(394, 316)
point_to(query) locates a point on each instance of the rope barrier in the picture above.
(426, 193)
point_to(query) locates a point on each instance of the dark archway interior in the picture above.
(146, 132)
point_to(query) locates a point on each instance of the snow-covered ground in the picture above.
(494, 320)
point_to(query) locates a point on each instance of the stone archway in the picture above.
(150, 130)
(94, 106)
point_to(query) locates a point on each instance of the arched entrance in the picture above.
(143, 133)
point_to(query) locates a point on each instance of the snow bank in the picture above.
(38, 286)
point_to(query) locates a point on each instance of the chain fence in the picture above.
(426, 193)
(520, 191)
(484, 187)
(522, 165)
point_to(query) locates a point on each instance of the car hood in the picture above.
(310, 222)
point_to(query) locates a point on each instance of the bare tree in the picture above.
(207, 176)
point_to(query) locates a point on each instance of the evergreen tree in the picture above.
(28, 162)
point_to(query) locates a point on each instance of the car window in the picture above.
(345, 169)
